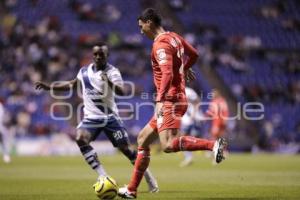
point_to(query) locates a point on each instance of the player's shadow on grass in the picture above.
(200, 198)
(220, 198)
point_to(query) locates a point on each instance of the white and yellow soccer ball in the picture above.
(106, 187)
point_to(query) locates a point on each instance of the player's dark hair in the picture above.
(150, 14)
(100, 44)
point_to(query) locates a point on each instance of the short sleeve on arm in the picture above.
(115, 77)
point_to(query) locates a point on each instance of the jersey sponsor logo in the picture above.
(93, 93)
(173, 42)
(162, 56)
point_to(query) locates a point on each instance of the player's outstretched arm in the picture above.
(62, 86)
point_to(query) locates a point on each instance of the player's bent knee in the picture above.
(82, 138)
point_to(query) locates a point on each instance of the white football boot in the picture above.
(6, 158)
(218, 150)
(126, 194)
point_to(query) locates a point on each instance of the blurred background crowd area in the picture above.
(252, 46)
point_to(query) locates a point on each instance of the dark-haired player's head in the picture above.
(148, 21)
(100, 54)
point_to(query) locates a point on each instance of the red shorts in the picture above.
(171, 117)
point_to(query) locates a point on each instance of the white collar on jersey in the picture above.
(105, 69)
(160, 35)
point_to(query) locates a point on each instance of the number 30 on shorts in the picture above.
(118, 135)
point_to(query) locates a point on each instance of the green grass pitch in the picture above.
(241, 176)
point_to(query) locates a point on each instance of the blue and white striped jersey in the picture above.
(98, 97)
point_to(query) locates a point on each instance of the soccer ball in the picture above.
(106, 188)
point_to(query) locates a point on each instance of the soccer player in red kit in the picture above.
(171, 59)
(218, 111)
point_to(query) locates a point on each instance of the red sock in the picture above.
(189, 143)
(140, 166)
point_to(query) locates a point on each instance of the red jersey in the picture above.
(168, 64)
(218, 110)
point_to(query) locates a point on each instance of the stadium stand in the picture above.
(254, 46)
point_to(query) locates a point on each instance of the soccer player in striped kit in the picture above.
(99, 82)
